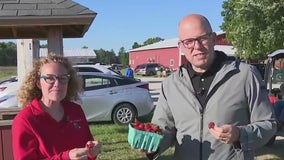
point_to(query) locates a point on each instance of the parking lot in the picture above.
(154, 86)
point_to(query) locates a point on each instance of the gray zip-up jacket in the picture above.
(237, 96)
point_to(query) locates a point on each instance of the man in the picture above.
(212, 87)
(278, 106)
(129, 72)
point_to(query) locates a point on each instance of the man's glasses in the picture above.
(190, 42)
(51, 79)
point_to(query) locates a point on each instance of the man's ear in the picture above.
(214, 37)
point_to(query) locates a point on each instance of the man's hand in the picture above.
(227, 133)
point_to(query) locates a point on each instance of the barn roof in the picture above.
(71, 52)
(25, 19)
(168, 43)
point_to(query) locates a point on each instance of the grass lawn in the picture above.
(116, 147)
(115, 144)
(7, 72)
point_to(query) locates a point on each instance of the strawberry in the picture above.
(136, 124)
(211, 125)
(141, 126)
(148, 127)
(90, 145)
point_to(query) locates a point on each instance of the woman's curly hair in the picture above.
(29, 90)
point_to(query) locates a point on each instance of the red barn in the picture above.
(168, 54)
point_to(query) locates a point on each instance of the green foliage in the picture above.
(152, 40)
(147, 42)
(123, 56)
(135, 45)
(115, 143)
(107, 57)
(255, 27)
(8, 54)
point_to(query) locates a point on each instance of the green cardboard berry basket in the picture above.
(147, 141)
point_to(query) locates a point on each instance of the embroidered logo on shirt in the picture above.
(75, 123)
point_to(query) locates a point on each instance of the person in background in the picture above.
(279, 107)
(50, 125)
(129, 72)
(214, 107)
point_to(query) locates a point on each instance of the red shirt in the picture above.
(36, 135)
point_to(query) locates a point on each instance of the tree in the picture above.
(152, 40)
(8, 54)
(147, 42)
(123, 56)
(135, 45)
(254, 27)
(107, 57)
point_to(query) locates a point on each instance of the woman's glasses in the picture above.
(190, 42)
(51, 79)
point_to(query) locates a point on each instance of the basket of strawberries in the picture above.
(146, 136)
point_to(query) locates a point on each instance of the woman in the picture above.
(51, 126)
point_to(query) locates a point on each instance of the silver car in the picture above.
(114, 98)
(106, 97)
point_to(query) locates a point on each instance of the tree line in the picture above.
(8, 53)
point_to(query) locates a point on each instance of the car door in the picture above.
(99, 97)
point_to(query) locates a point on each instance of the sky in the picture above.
(120, 23)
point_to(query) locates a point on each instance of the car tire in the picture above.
(124, 113)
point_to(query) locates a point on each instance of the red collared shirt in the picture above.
(36, 135)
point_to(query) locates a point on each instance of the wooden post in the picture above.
(55, 40)
(27, 52)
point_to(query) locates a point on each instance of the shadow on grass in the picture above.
(273, 150)
(165, 157)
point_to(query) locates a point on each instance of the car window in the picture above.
(122, 82)
(141, 66)
(92, 83)
(87, 69)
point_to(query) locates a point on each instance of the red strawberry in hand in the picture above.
(90, 145)
(211, 125)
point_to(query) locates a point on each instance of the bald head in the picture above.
(195, 29)
(193, 24)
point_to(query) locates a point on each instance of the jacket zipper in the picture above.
(201, 132)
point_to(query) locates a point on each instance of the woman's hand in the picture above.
(92, 149)
(78, 154)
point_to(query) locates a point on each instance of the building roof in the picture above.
(24, 19)
(170, 43)
(71, 52)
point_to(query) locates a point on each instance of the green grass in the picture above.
(7, 72)
(116, 147)
(115, 144)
